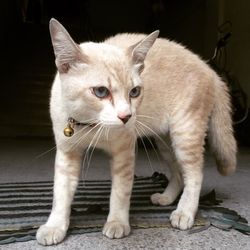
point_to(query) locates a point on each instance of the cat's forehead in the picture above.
(102, 51)
(110, 62)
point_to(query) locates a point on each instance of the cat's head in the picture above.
(100, 83)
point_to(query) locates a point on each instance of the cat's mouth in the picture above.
(69, 130)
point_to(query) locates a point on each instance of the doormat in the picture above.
(26, 206)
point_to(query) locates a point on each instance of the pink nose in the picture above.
(124, 118)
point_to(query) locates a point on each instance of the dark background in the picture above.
(28, 62)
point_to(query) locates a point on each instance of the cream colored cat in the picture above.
(131, 85)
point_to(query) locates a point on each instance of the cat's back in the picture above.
(165, 58)
(124, 40)
(165, 55)
(161, 48)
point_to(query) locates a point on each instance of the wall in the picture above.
(238, 12)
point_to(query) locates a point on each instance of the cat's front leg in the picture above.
(122, 169)
(67, 170)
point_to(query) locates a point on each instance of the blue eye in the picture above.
(101, 92)
(135, 92)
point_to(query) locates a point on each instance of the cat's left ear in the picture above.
(139, 50)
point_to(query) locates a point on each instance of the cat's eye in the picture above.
(101, 92)
(135, 92)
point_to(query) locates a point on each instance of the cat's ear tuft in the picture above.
(139, 50)
(67, 52)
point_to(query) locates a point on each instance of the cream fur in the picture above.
(181, 100)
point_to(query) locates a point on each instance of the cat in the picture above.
(130, 85)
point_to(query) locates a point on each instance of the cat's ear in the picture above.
(67, 52)
(139, 50)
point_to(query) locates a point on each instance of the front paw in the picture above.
(182, 220)
(50, 235)
(116, 229)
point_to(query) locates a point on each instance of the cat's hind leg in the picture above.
(175, 184)
(188, 139)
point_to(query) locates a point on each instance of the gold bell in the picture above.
(68, 131)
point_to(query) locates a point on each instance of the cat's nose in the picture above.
(124, 118)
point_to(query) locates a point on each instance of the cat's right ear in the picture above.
(67, 52)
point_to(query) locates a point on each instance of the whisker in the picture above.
(86, 157)
(150, 117)
(49, 150)
(136, 148)
(152, 145)
(99, 132)
(80, 139)
(44, 153)
(53, 148)
(152, 131)
(88, 120)
(96, 138)
(85, 160)
(92, 120)
(107, 135)
(137, 130)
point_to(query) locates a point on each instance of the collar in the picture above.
(69, 130)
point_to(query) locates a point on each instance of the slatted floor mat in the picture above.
(25, 206)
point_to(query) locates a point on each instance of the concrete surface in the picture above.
(20, 161)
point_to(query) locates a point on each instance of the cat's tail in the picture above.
(221, 137)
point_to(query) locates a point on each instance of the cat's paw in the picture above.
(50, 235)
(182, 220)
(116, 229)
(160, 199)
